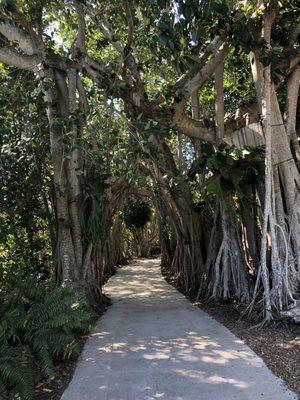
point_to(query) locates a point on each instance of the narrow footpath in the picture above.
(153, 343)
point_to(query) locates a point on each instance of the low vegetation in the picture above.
(39, 324)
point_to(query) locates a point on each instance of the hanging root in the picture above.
(225, 276)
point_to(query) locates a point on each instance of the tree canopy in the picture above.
(128, 126)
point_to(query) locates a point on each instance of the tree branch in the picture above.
(219, 101)
(83, 102)
(193, 128)
(29, 28)
(11, 57)
(129, 22)
(292, 102)
(128, 59)
(16, 35)
(199, 79)
(211, 49)
(105, 28)
(195, 106)
(80, 39)
(72, 86)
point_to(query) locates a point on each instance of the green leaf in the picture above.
(236, 175)
(161, 39)
(213, 185)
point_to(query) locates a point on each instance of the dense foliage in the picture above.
(131, 124)
(137, 213)
(228, 169)
(26, 220)
(38, 326)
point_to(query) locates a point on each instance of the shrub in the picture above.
(38, 325)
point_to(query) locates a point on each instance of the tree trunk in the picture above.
(282, 206)
(65, 254)
(77, 260)
(225, 274)
(219, 102)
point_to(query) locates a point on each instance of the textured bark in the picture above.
(267, 122)
(292, 100)
(281, 224)
(249, 217)
(187, 263)
(195, 106)
(219, 102)
(65, 257)
(225, 274)
(83, 263)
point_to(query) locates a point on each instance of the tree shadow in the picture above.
(153, 344)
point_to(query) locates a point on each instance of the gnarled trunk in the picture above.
(187, 264)
(225, 274)
(77, 259)
(282, 205)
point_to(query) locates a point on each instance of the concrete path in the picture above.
(153, 344)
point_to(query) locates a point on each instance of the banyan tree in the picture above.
(205, 95)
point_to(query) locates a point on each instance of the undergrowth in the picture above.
(39, 323)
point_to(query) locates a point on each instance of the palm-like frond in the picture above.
(38, 323)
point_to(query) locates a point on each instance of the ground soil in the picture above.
(278, 344)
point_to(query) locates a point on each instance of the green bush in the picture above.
(38, 325)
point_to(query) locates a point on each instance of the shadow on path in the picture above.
(154, 344)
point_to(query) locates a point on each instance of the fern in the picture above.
(16, 373)
(38, 324)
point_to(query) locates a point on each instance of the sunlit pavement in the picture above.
(154, 344)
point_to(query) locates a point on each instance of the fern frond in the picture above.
(38, 323)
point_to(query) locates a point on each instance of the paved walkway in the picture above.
(154, 344)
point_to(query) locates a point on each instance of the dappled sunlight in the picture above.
(191, 350)
(292, 344)
(153, 344)
(157, 356)
(126, 286)
(214, 379)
